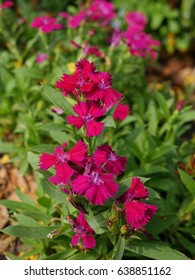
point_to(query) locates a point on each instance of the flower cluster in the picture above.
(139, 42)
(100, 11)
(87, 172)
(46, 24)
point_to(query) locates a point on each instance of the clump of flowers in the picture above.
(46, 24)
(6, 5)
(90, 171)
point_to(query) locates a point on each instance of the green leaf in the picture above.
(96, 222)
(187, 180)
(82, 256)
(26, 221)
(53, 191)
(163, 104)
(118, 249)
(28, 231)
(43, 148)
(155, 250)
(161, 151)
(15, 205)
(57, 99)
(161, 222)
(190, 246)
(62, 256)
(109, 122)
(33, 159)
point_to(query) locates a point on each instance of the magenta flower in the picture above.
(117, 36)
(101, 11)
(6, 5)
(136, 19)
(83, 232)
(105, 157)
(141, 43)
(97, 186)
(57, 110)
(61, 161)
(88, 50)
(121, 112)
(41, 57)
(46, 24)
(137, 213)
(87, 112)
(102, 89)
(79, 81)
(74, 21)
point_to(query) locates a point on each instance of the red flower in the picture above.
(136, 19)
(103, 90)
(106, 158)
(121, 112)
(61, 161)
(97, 187)
(137, 213)
(79, 81)
(74, 21)
(6, 5)
(83, 232)
(87, 112)
(46, 24)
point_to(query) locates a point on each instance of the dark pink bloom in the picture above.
(74, 21)
(179, 105)
(61, 160)
(64, 14)
(83, 232)
(97, 186)
(79, 81)
(121, 112)
(141, 43)
(46, 24)
(41, 57)
(105, 157)
(101, 11)
(6, 5)
(137, 213)
(136, 19)
(103, 90)
(88, 50)
(87, 112)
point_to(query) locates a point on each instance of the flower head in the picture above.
(74, 21)
(83, 231)
(46, 24)
(6, 5)
(87, 112)
(41, 57)
(121, 112)
(137, 213)
(97, 186)
(61, 160)
(136, 19)
(102, 89)
(105, 157)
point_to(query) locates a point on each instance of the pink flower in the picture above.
(74, 21)
(79, 81)
(101, 11)
(46, 24)
(180, 105)
(137, 213)
(61, 161)
(105, 157)
(87, 112)
(141, 43)
(102, 89)
(136, 19)
(97, 186)
(64, 15)
(6, 5)
(41, 57)
(121, 112)
(88, 50)
(83, 231)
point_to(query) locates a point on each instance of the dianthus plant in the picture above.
(89, 171)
